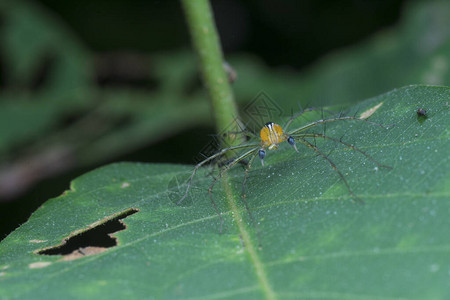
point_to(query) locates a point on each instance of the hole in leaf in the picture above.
(94, 239)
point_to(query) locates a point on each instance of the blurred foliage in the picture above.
(64, 107)
(289, 34)
(417, 51)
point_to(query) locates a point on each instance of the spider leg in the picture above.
(333, 165)
(324, 121)
(224, 169)
(197, 166)
(238, 159)
(314, 135)
(303, 111)
(246, 133)
(299, 114)
(243, 130)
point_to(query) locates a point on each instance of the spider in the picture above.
(270, 137)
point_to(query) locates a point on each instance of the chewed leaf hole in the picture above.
(94, 239)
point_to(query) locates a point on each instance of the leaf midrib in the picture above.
(250, 247)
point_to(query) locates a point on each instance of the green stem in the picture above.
(206, 42)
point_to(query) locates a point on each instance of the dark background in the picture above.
(289, 32)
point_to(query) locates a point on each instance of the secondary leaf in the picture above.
(316, 243)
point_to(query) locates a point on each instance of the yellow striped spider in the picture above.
(270, 136)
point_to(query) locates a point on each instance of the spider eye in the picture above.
(262, 154)
(291, 141)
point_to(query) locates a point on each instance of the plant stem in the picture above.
(207, 45)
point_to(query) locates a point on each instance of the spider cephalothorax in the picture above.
(271, 136)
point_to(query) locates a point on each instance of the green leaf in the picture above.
(316, 242)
